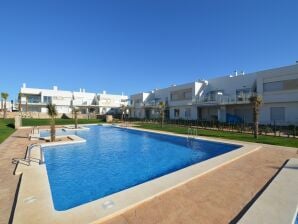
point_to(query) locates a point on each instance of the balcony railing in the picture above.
(223, 100)
(33, 102)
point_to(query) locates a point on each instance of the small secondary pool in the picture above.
(114, 159)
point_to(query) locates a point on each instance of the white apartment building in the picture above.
(35, 100)
(226, 98)
(10, 106)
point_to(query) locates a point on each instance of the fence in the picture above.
(264, 129)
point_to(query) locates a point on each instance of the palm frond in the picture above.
(52, 111)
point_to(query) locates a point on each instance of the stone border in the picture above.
(35, 203)
(72, 128)
(279, 202)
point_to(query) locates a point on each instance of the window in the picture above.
(187, 95)
(212, 95)
(47, 99)
(187, 112)
(273, 86)
(281, 85)
(34, 99)
(277, 114)
(184, 94)
(243, 94)
(176, 113)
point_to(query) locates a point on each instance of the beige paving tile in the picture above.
(13, 147)
(216, 197)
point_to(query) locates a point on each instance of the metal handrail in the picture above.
(30, 147)
(192, 132)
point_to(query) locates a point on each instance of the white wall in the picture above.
(279, 74)
(291, 113)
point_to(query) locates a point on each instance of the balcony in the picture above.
(223, 100)
(32, 102)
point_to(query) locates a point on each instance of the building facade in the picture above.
(226, 98)
(35, 100)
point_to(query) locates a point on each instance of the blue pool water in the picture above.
(115, 159)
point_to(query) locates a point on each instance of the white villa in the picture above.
(35, 100)
(226, 98)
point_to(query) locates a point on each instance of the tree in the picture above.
(52, 112)
(123, 112)
(4, 96)
(20, 102)
(162, 107)
(76, 110)
(26, 104)
(256, 102)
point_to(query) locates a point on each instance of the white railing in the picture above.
(29, 158)
(222, 100)
(192, 133)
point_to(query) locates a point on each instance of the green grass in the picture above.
(6, 128)
(7, 125)
(41, 122)
(282, 141)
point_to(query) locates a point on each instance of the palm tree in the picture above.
(4, 96)
(256, 102)
(162, 107)
(26, 104)
(123, 111)
(20, 102)
(76, 110)
(52, 112)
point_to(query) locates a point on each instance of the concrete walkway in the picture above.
(12, 147)
(218, 197)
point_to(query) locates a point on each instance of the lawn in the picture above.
(6, 128)
(282, 141)
(7, 125)
(41, 122)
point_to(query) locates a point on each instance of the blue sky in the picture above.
(134, 45)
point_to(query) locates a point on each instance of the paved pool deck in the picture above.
(217, 197)
(12, 147)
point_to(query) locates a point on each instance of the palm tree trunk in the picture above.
(256, 123)
(53, 130)
(76, 120)
(26, 104)
(20, 105)
(4, 113)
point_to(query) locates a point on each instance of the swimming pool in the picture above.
(114, 159)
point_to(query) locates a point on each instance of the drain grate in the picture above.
(30, 199)
(108, 204)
